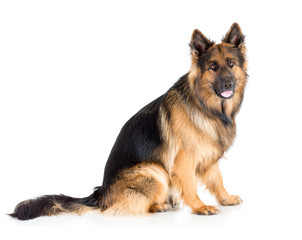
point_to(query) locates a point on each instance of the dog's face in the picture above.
(220, 69)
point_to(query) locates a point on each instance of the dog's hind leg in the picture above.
(139, 190)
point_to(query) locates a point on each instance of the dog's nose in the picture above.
(227, 84)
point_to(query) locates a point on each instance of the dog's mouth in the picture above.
(226, 94)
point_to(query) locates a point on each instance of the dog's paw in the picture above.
(206, 210)
(231, 201)
(161, 207)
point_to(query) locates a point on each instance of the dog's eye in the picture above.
(213, 66)
(231, 63)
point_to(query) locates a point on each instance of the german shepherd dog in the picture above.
(170, 144)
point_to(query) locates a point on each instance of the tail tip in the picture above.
(23, 211)
(17, 216)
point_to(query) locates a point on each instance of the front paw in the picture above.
(231, 201)
(206, 210)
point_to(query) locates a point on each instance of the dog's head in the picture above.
(218, 71)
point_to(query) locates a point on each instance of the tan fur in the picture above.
(78, 209)
(141, 189)
(56, 209)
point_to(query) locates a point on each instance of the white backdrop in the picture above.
(73, 72)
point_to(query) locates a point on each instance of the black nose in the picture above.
(227, 84)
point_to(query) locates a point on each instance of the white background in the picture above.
(73, 72)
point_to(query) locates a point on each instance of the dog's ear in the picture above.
(234, 36)
(199, 43)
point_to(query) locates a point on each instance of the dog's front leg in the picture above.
(213, 180)
(184, 178)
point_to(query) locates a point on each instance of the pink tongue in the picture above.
(227, 93)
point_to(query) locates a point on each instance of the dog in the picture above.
(172, 143)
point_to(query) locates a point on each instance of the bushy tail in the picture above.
(49, 205)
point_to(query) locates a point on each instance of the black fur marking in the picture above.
(219, 48)
(95, 199)
(33, 208)
(135, 143)
(220, 142)
(235, 110)
(200, 43)
(234, 36)
(225, 120)
(182, 87)
(204, 59)
(237, 55)
(45, 205)
(224, 117)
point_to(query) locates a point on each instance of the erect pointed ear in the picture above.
(234, 36)
(199, 43)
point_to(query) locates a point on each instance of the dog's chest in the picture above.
(211, 140)
(206, 151)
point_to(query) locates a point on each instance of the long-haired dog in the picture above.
(170, 144)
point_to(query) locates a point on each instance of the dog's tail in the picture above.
(49, 205)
